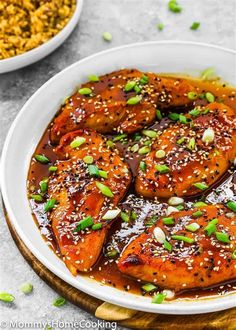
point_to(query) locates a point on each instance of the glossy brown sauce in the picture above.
(122, 233)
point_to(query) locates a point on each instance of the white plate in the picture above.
(36, 54)
(33, 119)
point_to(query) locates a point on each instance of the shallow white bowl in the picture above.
(36, 54)
(33, 119)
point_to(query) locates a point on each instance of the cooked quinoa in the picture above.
(26, 24)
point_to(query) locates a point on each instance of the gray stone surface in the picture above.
(128, 21)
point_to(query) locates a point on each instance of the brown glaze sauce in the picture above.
(121, 233)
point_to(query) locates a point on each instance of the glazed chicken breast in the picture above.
(90, 180)
(187, 250)
(191, 154)
(123, 101)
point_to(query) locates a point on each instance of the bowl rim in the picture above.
(215, 304)
(45, 48)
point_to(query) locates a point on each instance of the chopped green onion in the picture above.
(180, 140)
(174, 6)
(58, 302)
(88, 159)
(147, 142)
(144, 79)
(158, 114)
(183, 119)
(208, 135)
(222, 237)
(195, 112)
(208, 74)
(6, 297)
(192, 227)
(168, 221)
(210, 97)
(124, 216)
(231, 205)
(205, 111)
(26, 288)
(49, 205)
(137, 89)
(173, 116)
(130, 85)
(137, 137)
(180, 207)
(52, 168)
(142, 166)
(191, 144)
(134, 100)
(134, 148)
(158, 298)
(93, 170)
(151, 221)
(150, 133)
(195, 25)
(233, 256)
(84, 223)
(201, 185)
(119, 137)
(160, 26)
(197, 214)
(211, 227)
(107, 36)
(96, 226)
(102, 174)
(43, 185)
(167, 245)
(106, 191)
(183, 239)
(160, 154)
(41, 159)
(77, 142)
(85, 91)
(37, 198)
(133, 215)
(199, 204)
(111, 214)
(174, 200)
(162, 168)
(112, 253)
(144, 150)
(148, 287)
(93, 78)
(192, 95)
(110, 144)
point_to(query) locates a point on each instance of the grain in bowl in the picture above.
(26, 24)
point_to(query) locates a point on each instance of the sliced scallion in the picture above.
(168, 221)
(142, 166)
(173, 116)
(195, 25)
(199, 204)
(97, 226)
(6, 297)
(192, 227)
(201, 185)
(130, 85)
(84, 223)
(93, 170)
(85, 91)
(106, 191)
(52, 168)
(158, 298)
(197, 214)
(195, 112)
(144, 150)
(150, 133)
(37, 198)
(119, 137)
(77, 142)
(41, 159)
(211, 227)
(49, 205)
(231, 205)
(183, 239)
(148, 287)
(124, 216)
(162, 168)
(210, 97)
(93, 78)
(167, 245)
(111, 214)
(88, 159)
(158, 114)
(134, 100)
(222, 237)
(192, 95)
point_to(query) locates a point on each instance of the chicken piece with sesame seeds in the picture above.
(76, 187)
(197, 152)
(104, 106)
(180, 258)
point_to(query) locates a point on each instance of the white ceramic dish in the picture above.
(34, 117)
(36, 54)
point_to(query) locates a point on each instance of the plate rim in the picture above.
(215, 303)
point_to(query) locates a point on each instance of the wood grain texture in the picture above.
(224, 320)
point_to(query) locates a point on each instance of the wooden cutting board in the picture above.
(125, 317)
